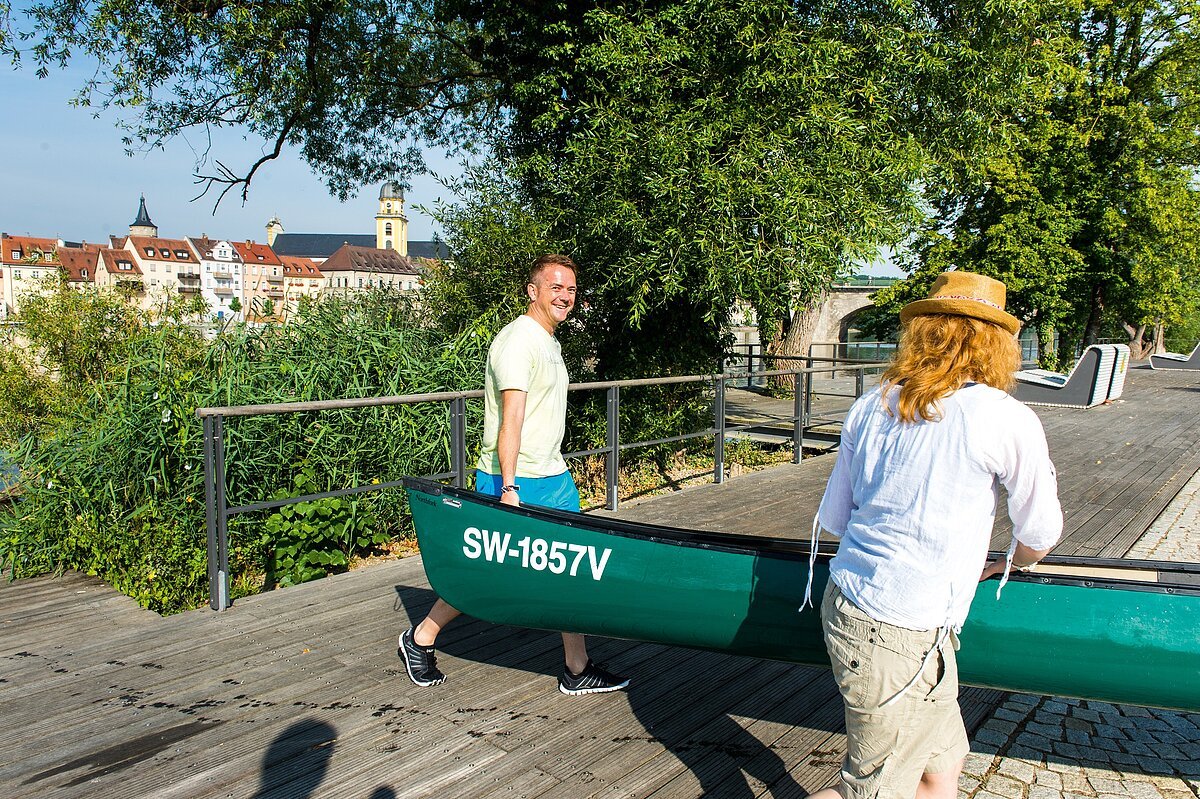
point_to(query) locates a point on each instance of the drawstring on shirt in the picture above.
(812, 562)
(1008, 559)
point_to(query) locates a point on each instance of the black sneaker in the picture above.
(419, 661)
(593, 680)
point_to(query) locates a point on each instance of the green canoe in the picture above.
(1109, 630)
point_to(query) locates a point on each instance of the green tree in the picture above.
(1091, 216)
(690, 152)
(695, 154)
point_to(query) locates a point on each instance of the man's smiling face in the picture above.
(552, 296)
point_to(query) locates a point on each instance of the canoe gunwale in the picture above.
(1172, 578)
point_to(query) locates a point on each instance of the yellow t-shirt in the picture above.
(525, 357)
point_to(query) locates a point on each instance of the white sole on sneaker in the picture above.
(408, 669)
(608, 689)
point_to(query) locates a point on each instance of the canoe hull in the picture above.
(557, 571)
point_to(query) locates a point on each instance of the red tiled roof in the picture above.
(300, 267)
(76, 262)
(154, 249)
(350, 258)
(18, 248)
(254, 253)
(111, 258)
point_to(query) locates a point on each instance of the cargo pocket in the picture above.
(848, 640)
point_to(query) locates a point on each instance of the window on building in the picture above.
(48, 256)
(181, 255)
(387, 229)
(387, 243)
(16, 255)
(83, 273)
(165, 252)
(16, 274)
(150, 252)
(360, 282)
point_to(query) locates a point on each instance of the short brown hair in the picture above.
(547, 261)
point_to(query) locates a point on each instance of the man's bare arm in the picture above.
(508, 441)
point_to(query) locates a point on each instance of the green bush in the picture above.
(112, 459)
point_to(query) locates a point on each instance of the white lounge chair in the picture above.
(1087, 384)
(1173, 360)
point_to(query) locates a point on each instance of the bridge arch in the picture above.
(844, 304)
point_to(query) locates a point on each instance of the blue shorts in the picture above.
(558, 492)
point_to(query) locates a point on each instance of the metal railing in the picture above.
(217, 513)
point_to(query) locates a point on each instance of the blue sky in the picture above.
(65, 175)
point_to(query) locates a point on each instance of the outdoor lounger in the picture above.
(1172, 360)
(1098, 375)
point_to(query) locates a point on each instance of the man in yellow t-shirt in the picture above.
(525, 412)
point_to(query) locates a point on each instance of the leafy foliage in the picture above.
(112, 481)
(1091, 216)
(306, 540)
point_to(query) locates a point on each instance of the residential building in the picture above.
(262, 282)
(80, 265)
(169, 267)
(220, 275)
(353, 268)
(117, 270)
(26, 262)
(301, 278)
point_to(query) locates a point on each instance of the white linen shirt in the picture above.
(914, 502)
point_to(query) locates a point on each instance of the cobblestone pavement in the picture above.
(1036, 747)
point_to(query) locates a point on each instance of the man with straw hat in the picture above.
(912, 498)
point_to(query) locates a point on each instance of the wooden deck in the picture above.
(298, 692)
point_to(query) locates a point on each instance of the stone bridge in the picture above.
(845, 303)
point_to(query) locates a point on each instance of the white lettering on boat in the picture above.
(538, 554)
(494, 546)
(471, 546)
(598, 568)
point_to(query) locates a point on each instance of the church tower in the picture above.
(274, 228)
(142, 226)
(391, 225)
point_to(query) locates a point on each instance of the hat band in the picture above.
(964, 297)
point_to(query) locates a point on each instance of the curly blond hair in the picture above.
(938, 353)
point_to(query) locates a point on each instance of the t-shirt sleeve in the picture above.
(1025, 470)
(511, 361)
(838, 500)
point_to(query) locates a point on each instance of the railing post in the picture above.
(808, 393)
(458, 441)
(215, 516)
(749, 366)
(859, 374)
(612, 458)
(719, 424)
(798, 414)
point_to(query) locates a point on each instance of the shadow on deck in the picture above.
(299, 693)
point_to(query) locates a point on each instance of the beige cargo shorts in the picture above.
(889, 748)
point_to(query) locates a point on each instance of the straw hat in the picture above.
(965, 294)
